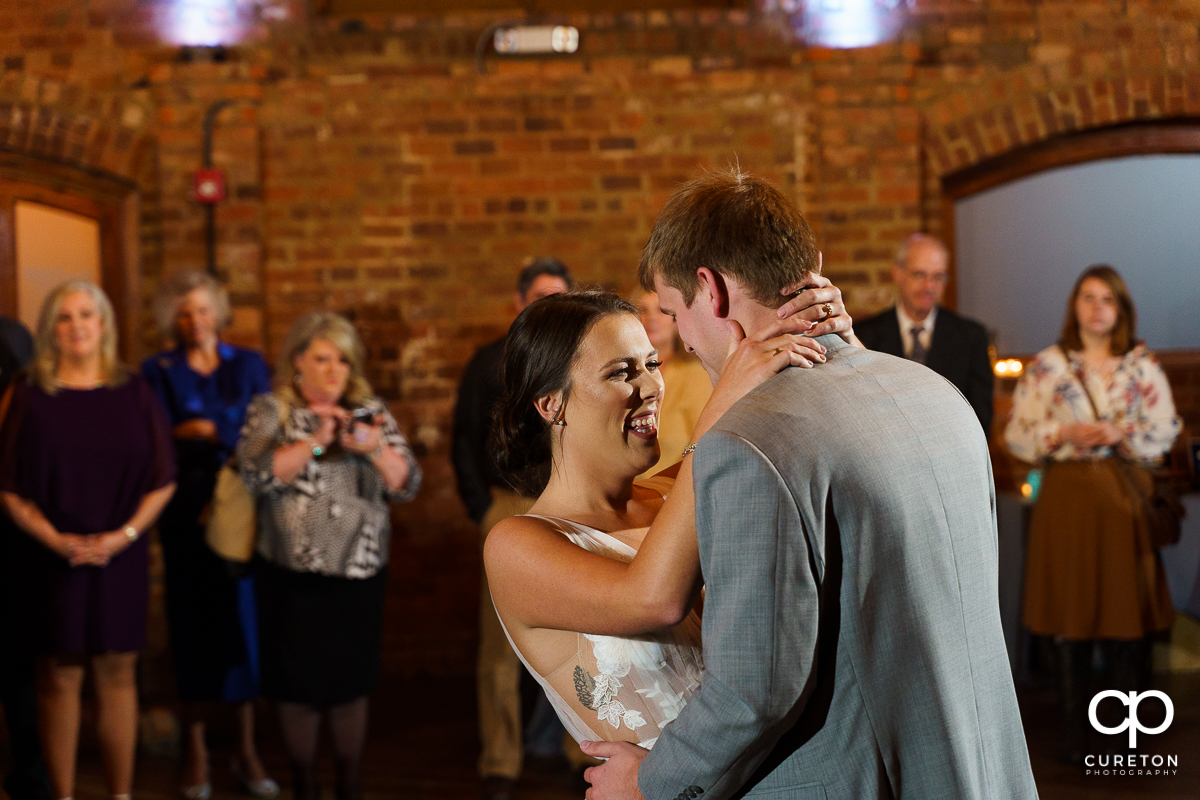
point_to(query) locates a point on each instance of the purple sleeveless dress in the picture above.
(85, 458)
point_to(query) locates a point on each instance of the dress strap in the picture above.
(582, 535)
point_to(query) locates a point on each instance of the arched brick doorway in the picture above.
(1049, 115)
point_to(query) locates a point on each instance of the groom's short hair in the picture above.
(734, 224)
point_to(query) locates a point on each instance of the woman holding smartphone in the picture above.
(325, 458)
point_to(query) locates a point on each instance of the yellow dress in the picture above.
(688, 389)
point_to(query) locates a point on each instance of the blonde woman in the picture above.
(86, 466)
(205, 385)
(325, 457)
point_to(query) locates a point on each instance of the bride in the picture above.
(576, 426)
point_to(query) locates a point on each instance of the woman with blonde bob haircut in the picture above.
(86, 466)
(205, 385)
(1095, 408)
(325, 457)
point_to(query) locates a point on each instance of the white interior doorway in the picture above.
(1020, 246)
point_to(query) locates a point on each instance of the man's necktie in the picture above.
(918, 350)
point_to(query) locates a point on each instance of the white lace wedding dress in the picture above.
(621, 687)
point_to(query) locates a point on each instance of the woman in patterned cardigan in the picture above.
(325, 457)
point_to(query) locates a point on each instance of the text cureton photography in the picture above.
(1131, 764)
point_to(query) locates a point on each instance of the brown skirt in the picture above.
(1091, 571)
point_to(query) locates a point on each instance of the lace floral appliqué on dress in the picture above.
(613, 666)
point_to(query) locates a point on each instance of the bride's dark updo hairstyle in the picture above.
(539, 352)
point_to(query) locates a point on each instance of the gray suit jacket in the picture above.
(852, 642)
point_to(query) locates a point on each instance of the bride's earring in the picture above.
(562, 423)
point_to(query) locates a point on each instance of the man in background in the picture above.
(26, 779)
(919, 328)
(489, 499)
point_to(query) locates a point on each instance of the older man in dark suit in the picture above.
(919, 328)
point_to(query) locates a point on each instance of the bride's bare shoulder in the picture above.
(520, 538)
(520, 526)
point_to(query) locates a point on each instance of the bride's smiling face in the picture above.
(616, 393)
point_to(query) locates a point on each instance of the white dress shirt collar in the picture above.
(907, 324)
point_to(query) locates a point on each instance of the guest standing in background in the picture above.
(205, 385)
(1092, 572)
(16, 349)
(489, 499)
(26, 779)
(325, 457)
(921, 329)
(86, 466)
(688, 386)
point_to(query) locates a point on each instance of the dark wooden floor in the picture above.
(423, 745)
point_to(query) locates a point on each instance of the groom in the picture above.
(845, 516)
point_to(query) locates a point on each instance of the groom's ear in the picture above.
(549, 406)
(714, 291)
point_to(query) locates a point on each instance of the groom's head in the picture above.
(724, 247)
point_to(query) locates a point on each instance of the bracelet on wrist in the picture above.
(691, 448)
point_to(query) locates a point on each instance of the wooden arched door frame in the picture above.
(111, 201)
(1141, 138)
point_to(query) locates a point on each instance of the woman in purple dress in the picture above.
(86, 466)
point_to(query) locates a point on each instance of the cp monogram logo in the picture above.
(1131, 722)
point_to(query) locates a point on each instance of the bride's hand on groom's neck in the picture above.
(753, 360)
(816, 299)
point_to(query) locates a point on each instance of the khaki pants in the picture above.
(498, 671)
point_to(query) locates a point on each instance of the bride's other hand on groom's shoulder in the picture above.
(617, 777)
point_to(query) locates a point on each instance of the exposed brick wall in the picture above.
(372, 171)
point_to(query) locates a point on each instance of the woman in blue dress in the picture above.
(205, 385)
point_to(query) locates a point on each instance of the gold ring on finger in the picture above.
(827, 309)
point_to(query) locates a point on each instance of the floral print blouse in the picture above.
(333, 517)
(1135, 397)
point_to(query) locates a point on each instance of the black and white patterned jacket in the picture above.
(333, 517)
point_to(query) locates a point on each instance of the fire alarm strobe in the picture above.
(208, 185)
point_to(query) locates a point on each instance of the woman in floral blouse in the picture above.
(1092, 572)
(325, 457)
